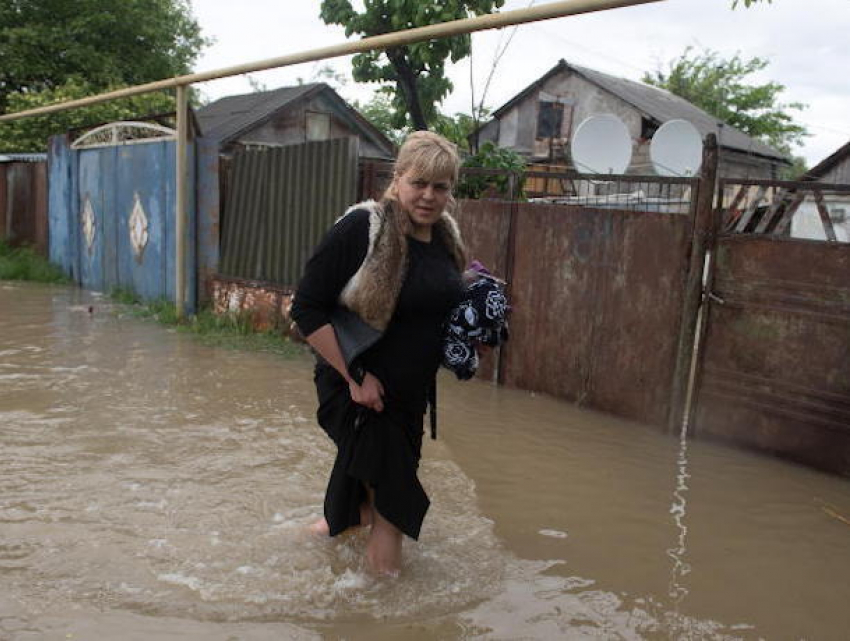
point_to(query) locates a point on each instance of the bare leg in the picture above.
(383, 550)
(365, 514)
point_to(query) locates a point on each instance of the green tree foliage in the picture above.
(53, 50)
(379, 111)
(31, 134)
(457, 128)
(491, 156)
(796, 171)
(417, 71)
(723, 88)
(45, 42)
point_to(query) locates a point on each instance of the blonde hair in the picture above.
(428, 156)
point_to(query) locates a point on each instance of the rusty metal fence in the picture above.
(599, 270)
(279, 202)
(774, 349)
(23, 204)
(597, 298)
(606, 278)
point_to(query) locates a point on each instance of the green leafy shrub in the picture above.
(491, 156)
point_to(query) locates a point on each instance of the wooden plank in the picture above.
(789, 213)
(732, 214)
(779, 198)
(745, 218)
(824, 217)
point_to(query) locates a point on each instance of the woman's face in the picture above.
(423, 200)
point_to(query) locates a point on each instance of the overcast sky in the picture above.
(806, 42)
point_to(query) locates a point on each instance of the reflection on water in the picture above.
(677, 590)
(152, 487)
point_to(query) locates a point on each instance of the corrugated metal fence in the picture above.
(23, 204)
(280, 202)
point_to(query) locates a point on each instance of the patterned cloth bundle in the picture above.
(480, 318)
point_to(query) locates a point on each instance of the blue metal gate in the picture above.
(112, 217)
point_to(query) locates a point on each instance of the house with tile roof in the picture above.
(540, 120)
(290, 115)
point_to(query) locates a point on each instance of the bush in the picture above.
(491, 156)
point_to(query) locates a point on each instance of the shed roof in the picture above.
(828, 164)
(227, 118)
(13, 157)
(658, 104)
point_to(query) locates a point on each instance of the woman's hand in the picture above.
(369, 394)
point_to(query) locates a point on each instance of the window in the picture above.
(838, 214)
(318, 125)
(648, 127)
(550, 118)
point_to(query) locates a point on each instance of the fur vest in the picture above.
(373, 290)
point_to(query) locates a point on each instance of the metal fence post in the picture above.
(510, 253)
(180, 209)
(700, 244)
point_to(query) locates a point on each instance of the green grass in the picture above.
(232, 331)
(22, 263)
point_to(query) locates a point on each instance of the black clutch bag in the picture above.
(354, 336)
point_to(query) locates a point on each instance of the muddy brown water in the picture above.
(152, 487)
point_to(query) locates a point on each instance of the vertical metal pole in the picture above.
(180, 209)
(510, 255)
(701, 242)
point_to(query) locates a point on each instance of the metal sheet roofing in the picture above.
(828, 164)
(13, 157)
(659, 104)
(226, 118)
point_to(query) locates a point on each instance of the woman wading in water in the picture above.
(372, 304)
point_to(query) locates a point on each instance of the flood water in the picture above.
(152, 487)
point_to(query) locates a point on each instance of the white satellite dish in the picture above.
(676, 149)
(601, 145)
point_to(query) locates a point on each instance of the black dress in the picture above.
(383, 450)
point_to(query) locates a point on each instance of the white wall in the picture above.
(807, 223)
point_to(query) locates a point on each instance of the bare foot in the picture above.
(320, 527)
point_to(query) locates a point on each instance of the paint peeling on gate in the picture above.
(97, 196)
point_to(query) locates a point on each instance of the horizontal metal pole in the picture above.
(384, 41)
(805, 185)
(626, 178)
